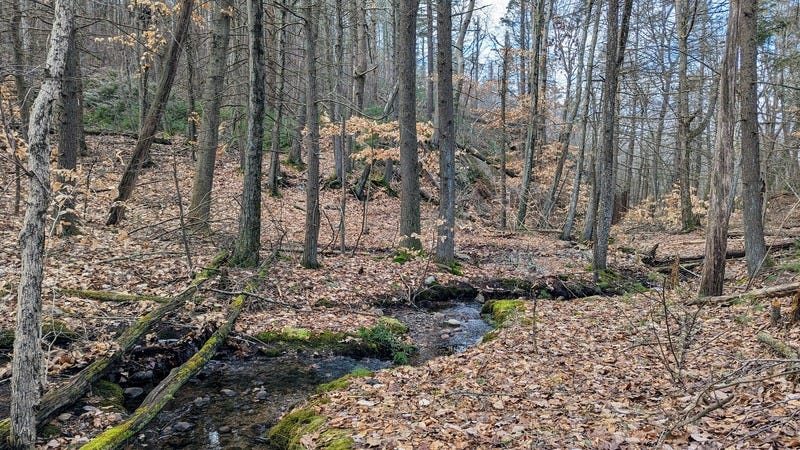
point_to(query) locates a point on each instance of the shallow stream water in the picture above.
(234, 400)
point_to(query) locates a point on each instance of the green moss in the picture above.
(287, 433)
(490, 336)
(499, 311)
(345, 381)
(301, 336)
(111, 395)
(393, 324)
(383, 341)
(336, 439)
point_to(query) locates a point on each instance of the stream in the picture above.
(234, 400)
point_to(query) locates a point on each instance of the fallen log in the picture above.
(476, 154)
(156, 140)
(782, 290)
(731, 254)
(105, 296)
(158, 398)
(69, 392)
(781, 348)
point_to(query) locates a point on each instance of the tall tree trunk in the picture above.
(713, 274)
(360, 76)
(280, 81)
(445, 243)
(27, 375)
(752, 184)
(69, 141)
(459, 55)
(248, 242)
(430, 99)
(200, 207)
(585, 101)
(523, 47)
(407, 117)
(191, 123)
(154, 115)
(504, 132)
(683, 25)
(312, 183)
(537, 20)
(616, 35)
(20, 82)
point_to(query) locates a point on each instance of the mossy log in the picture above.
(159, 397)
(69, 392)
(106, 296)
(781, 348)
(782, 290)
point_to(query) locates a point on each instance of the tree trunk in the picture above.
(537, 20)
(20, 82)
(69, 142)
(713, 274)
(683, 25)
(154, 115)
(504, 133)
(585, 101)
(200, 207)
(248, 242)
(28, 369)
(445, 243)
(407, 117)
(312, 113)
(617, 35)
(275, 141)
(752, 183)
(459, 56)
(360, 75)
(430, 98)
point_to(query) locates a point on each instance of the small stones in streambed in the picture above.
(224, 429)
(89, 408)
(133, 392)
(452, 323)
(430, 280)
(202, 401)
(143, 375)
(261, 394)
(63, 417)
(228, 392)
(181, 427)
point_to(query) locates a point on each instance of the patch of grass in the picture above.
(385, 342)
(743, 319)
(790, 266)
(287, 433)
(111, 395)
(404, 254)
(500, 311)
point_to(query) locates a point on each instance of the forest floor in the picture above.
(637, 370)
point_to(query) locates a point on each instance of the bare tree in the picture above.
(200, 207)
(407, 118)
(148, 129)
(310, 250)
(445, 244)
(28, 372)
(713, 274)
(616, 38)
(248, 242)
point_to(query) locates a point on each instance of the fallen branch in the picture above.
(770, 292)
(78, 384)
(158, 398)
(156, 140)
(669, 260)
(781, 348)
(105, 296)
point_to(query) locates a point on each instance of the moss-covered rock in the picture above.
(343, 382)
(393, 324)
(336, 439)
(57, 331)
(287, 433)
(111, 395)
(499, 311)
(302, 337)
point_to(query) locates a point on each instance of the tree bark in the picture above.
(683, 26)
(275, 140)
(713, 273)
(752, 184)
(430, 97)
(617, 35)
(445, 243)
(407, 118)
(69, 142)
(200, 206)
(248, 242)
(310, 249)
(504, 133)
(154, 115)
(28, 369)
